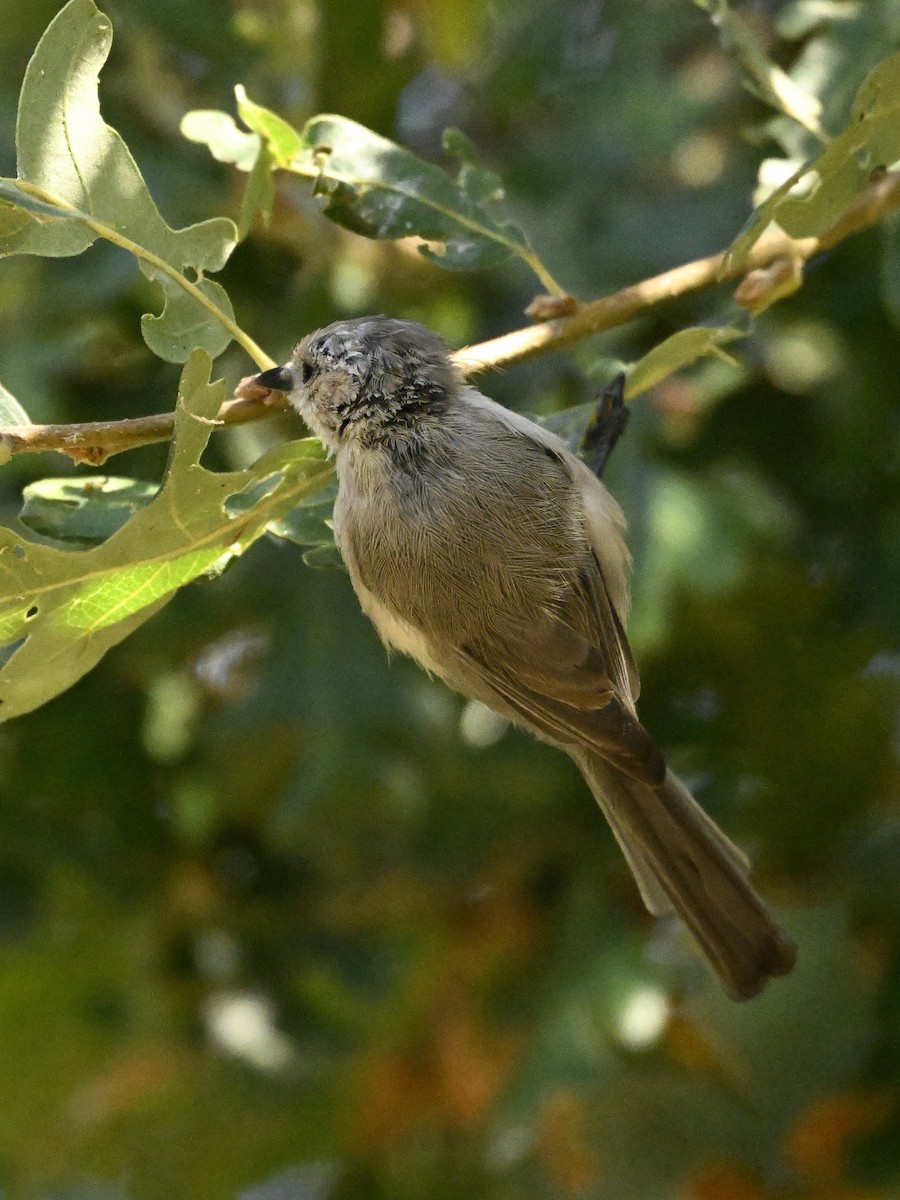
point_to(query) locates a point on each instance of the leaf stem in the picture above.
(553, 288)
(110, 234)
(93, 442)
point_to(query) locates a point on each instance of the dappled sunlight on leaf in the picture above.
(91, 185)
(378, 189)
(72, 605)
(870, 141)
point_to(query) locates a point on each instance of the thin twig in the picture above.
(96, 441)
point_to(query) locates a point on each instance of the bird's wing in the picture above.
(600, 722)
(597, 604)
(568, 673)
(604, 628)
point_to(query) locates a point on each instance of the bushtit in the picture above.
(481, 546)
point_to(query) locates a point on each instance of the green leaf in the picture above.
(61, 610)
(183, 325)
(218, 131)
(11, 411)
(259, 194)
(832, 182)
(83, 510)
(35, 226)
(380, 190)
(767, 80)
(283, 140)
(250, 152)
(12, 219)
(677, 351)
(482, 186)
(309, 524)
(77, 180)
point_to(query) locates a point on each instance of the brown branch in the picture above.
(94, 442)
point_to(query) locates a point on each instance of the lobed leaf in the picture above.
(183, 325)
(378, 189)
(832, 182)
(62, 609)
(78, 181)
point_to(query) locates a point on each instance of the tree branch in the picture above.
(94, 442)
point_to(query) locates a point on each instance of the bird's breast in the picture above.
(452, 551)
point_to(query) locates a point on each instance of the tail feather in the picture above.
(682, 861)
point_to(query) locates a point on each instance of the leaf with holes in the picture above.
(61, 610)
(375, 187)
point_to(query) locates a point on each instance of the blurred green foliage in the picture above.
(284, 921)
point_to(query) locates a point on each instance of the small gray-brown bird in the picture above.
(481, 546)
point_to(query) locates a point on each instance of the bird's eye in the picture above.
(306, 371)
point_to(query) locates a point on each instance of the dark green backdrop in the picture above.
(280, 920)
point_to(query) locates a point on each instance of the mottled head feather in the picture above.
(368, 379)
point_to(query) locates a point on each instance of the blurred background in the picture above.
(281, 920)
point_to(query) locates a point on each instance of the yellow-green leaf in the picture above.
(677, 351)
(813, 199)
(62, 609)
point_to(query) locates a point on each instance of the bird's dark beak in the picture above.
(278, 379)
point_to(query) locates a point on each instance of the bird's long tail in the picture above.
(683, 862)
